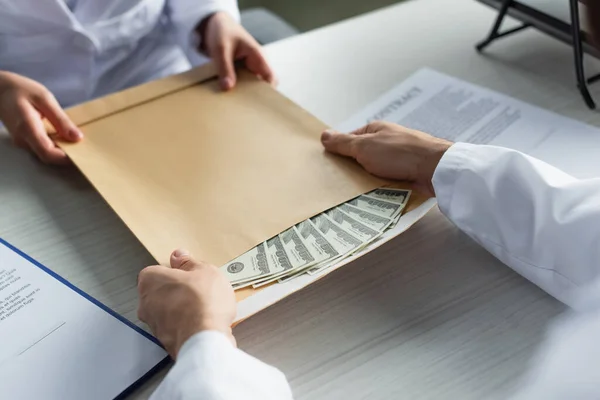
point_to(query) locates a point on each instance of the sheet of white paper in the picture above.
(459, 111)
(57, 344)
(456, 110)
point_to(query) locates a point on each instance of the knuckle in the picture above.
(376, 126)
(43, 96)
(143, 276)
(147, 270)
(254, 48)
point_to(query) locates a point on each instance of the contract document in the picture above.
(58, 343)
(456, 110)
(452, 109)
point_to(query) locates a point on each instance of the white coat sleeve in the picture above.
(538, 220)
(185, 15)
(209, 367)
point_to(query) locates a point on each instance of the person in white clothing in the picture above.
(57, 53)
(538, 220)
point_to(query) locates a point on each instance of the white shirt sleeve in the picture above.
(185, 15)
(535, 218)
(544, 224)
(209, 367)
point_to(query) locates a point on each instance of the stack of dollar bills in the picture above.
(319, 242)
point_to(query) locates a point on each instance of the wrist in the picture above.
(437, 150)
(183, 334)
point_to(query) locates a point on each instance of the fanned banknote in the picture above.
(359, 230)
(319, 248)
(399, 196)
(377, 206)
(300, 255)
(251, 265)
(321, 241)
(375, 221)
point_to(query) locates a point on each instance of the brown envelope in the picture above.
(186, 165)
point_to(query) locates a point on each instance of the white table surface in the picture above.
(429, 315)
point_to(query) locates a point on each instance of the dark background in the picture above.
(309, 14)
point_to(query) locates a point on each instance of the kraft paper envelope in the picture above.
(186, 165)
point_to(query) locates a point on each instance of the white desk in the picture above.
(429, 315)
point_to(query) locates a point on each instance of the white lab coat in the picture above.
(538, 220)
(82, 49)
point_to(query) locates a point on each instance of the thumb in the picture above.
(224, 60)
(339, 143)
(53, 112)
(181, 259)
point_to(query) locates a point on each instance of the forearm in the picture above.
(209, 367)
(538, 220)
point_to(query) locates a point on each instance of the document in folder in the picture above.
(187, 165)
(58, 343)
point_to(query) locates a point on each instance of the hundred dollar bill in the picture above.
(319, 246)
(352, 226)
(356, 239)
(298, 251)
(377, 206)
(399, 196)
(250, 265)
(341, 240)
(316, 243)
(241, 285)
(375, 221)
(362, 232)
(278, 257)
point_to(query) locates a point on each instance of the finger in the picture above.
(47, 105)
(224, 60)
(149, 275)
(181, 259)
(339, 143)
(31, 129)
(258, 65)
(372, 127)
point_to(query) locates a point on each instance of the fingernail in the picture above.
(227, 83)
(180, 253)
(75, 134)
